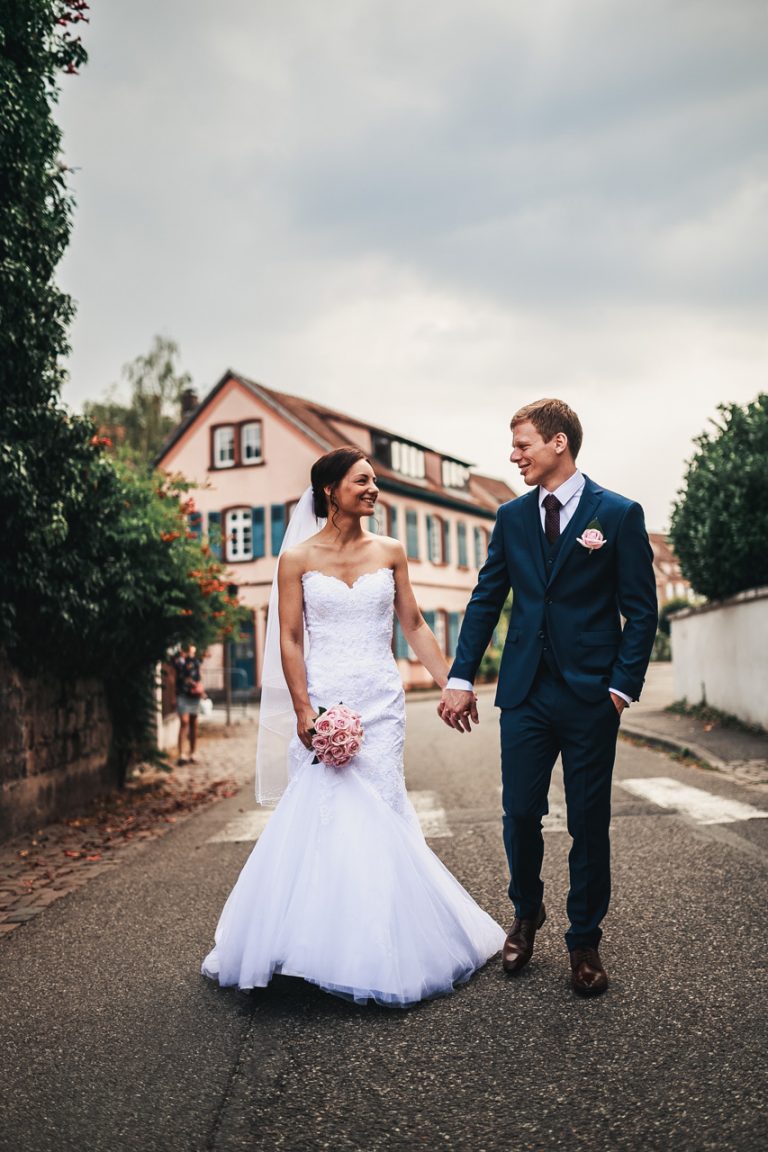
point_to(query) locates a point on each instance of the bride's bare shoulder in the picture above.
(296, 559)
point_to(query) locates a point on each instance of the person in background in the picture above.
(189, 693)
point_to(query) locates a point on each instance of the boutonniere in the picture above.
(592, 537)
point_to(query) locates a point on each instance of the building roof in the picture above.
(321, 424)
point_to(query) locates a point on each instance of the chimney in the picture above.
(189, 401)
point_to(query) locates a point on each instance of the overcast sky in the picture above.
(429, 213)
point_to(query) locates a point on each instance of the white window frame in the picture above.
(221, 450)
(441, 630)
(244, 430)
(435, 542)
(238, 532)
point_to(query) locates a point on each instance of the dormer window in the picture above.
(408, 460)
(455, 475)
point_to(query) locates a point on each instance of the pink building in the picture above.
(252, 449)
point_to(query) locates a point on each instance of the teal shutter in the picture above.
(195, 524)
(430, 543)
(393, 523)
(401, 645)
(479, 541)
(214, 533)
(453, 632)
(461, 538)
(429, 619)
(412, 534)
(277, 523)
(259, 541)
(447, 541)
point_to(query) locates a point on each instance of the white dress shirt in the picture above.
(569, 494)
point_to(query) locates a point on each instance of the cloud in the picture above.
(393, 207)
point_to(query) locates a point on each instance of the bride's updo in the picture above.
(329, 471)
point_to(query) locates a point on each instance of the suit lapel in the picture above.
(533, 533)
(585, 511)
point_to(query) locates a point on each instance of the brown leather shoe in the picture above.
(588, 977)
(518, 946)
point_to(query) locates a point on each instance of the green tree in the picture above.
(719, 524)
(37, 43)
(102, 567)
(142, 424)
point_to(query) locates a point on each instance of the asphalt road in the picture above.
(111, 1040)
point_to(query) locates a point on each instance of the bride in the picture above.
(341, 888)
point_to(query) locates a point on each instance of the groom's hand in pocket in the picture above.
(458, 709)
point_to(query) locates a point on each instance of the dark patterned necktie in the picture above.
(552, 508)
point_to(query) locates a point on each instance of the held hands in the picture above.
(305, 723)
(458, 709)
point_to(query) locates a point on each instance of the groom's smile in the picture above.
(539, 461)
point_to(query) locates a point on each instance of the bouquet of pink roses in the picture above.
(337, 735)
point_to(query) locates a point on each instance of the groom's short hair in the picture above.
(550, 417)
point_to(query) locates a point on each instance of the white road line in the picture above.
(699, 805)
(556, 820)
(431, 814)
(246, 827)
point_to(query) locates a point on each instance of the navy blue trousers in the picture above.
(553, 721)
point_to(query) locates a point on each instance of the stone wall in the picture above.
(719, 655)
(55, 738)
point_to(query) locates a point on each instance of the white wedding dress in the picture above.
(341, 888)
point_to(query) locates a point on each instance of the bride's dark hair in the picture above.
(328, 471)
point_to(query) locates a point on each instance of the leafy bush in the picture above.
(99, 572)
(720, 522)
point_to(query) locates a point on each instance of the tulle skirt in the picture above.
(345, 893)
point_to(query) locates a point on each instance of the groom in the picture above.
(577, 559)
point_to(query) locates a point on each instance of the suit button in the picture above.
(548, 600)
(541, 635)
(550, 561)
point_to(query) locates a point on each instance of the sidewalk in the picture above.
(40, 867)
(740, 754)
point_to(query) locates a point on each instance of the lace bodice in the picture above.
(350, 660)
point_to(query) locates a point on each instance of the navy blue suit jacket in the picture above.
(578, 600)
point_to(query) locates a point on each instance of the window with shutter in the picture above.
(238, 532)
(447, 541)
(454, 623)
(461, 544)
(195, 524)
(399, 642)
(277, 525)
(258, 529)
(412, 534)
(393, 524)
(214, 533)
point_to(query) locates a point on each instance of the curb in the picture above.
(682, 747)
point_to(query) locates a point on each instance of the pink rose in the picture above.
(592, 539)
(341, 721)
(339, 739)
(324, 725)
(320, 743)
(353, 747)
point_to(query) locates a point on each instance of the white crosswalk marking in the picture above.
(701, 806)
(557, 818)
(431, 814)
(246, 827)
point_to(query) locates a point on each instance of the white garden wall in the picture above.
(720, 655)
